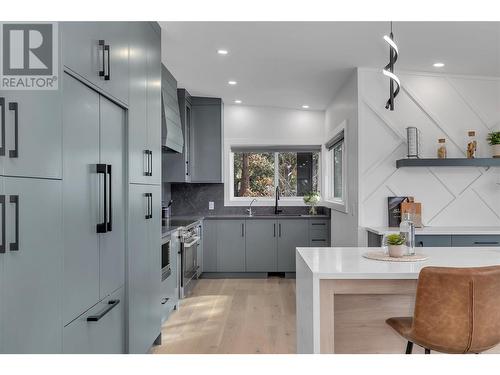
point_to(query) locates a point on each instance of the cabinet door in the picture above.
(112, 243)
(261, 242)
(475, 241)
(154, 234)
(32, 321)
(230, 246)
(137, 125)
(104, 336)
(81, 198)
(209, 246)
(433, 241)
(84, 56)
(153, 104)
(143, 268)
(206, 140)
(292, 233)
(36, 149)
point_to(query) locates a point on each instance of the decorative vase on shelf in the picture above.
(312, 199)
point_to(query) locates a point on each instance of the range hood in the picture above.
(171, 129)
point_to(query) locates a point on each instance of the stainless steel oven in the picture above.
(190, 240)
(166, 269)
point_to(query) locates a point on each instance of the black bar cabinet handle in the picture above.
(101, 45)
(14, 246)
(485, 242)
(110, 221)
(279, 229)
(150, 205)
(318, 240)
(318, 224)
(242, 230)
(111, 305)
(164, 301)
(102, 227)
(146, 171)
(151, 163)
(2, 245)
(274, 230)
(2, 118)
(108, 75)
(14, 107)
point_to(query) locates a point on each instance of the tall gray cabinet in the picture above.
(75, 165)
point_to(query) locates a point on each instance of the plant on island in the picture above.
(395, 239)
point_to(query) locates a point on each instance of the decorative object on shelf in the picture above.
(312, 199)
(414, 209)
(471, 145)
(389, 70)
(494, 141)
(413, 140)
(382, 256)
(396, 245)
(442, 153)
(394, 210)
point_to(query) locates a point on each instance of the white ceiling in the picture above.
(288, 64)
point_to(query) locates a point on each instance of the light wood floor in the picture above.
(233, 316)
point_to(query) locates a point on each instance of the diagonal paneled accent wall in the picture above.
(440, 106)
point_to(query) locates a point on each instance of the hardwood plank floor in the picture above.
(240, 316)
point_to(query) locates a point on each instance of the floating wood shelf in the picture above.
(458, 162)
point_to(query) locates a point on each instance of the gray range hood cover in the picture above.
(171, 129)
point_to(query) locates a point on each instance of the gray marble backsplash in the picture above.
(192, 199)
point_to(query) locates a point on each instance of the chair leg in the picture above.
(427, 351)
(409, 347)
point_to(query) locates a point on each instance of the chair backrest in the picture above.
(458, 309)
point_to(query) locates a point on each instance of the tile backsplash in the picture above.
(193, 199)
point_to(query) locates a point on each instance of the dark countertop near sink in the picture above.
(178, 222)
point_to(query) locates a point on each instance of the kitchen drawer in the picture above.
(433, 241)
(319, 243)
(319, 224)
(475, 241)
(104, 336)
(318, 234)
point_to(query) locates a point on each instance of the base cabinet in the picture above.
(100, 330)
(231, 246)
(291, 234)
(261, 240)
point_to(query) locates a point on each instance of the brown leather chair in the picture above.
(457, 310)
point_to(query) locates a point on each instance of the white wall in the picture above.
(254, 125)
(441, 107)
(344, 110)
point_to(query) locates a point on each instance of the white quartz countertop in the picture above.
(440, 230)
(348, 262)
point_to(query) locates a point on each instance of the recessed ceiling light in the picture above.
(237, 101)
(305, 106)
(438, 65)
(222, 51)
(232, 83)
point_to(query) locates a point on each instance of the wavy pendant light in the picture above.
(389, 70)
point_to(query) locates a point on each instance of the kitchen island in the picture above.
(344, 299)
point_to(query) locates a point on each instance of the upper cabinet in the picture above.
(98, 52)
(202, 156)
(145, 104)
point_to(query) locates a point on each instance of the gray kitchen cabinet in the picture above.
(209, 246)
(261, 241)
(475, 240)
(292, 233)
(145, 105)
(143, 267)
(206, 140)
(103, 64)
(100, 330)
(433, 241)
(94, 244)
(30, 281)
(32, 143)
(170, 286)
(319, 233)
(177, 165)
(231, 246)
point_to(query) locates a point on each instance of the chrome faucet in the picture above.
(249, 209)
(277, 198)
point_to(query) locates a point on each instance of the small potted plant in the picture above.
(312, 199)
(395, 244)
(494, 140)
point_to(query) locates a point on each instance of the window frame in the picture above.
(231, 200)
(335, 203)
